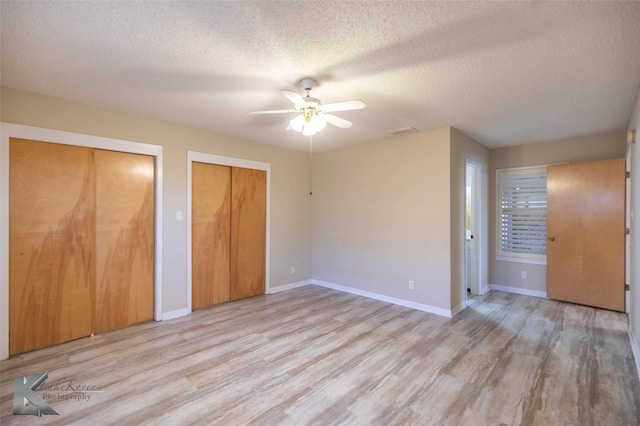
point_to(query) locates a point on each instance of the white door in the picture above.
(472, 224)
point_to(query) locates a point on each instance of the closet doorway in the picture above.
(228, 229)
(79, 227)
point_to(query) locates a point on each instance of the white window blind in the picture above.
(522, 213)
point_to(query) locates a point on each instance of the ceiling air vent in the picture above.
(402, 130)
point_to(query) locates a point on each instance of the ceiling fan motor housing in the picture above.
(311, 102)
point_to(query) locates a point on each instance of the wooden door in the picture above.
(210, 233)
(51, 240)
(585, 230)
(124, 239)
(248, 232)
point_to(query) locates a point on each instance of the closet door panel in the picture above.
(51, 240)
(210, 233)
(124, 239)
(248, 232)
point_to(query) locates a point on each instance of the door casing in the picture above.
(200, 157)
(473, 209)
(11, 130)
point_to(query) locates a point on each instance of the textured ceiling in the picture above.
(504, 73)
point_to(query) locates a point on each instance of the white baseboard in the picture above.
(291, 286)
(455, 311)
(186, 311)
(635, 349)
(175, 314)
(518, 290)
(627, 301)
(402, 302)
(484, 290)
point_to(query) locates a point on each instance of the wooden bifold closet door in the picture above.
(81, 238)
(248, 232)
(124, 239)
(211, 234)
(228, 233)
(51, 240)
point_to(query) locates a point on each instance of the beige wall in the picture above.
(383, 213)
(381, 217)
(464, 148)
(290, 202)
(611, 145)
(634, 283)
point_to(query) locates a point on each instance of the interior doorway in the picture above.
(586, 233)
(472, 228)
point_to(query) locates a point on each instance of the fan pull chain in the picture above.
(310, 165)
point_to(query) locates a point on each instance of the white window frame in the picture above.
(508, 256)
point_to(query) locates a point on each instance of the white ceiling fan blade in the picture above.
(294, 97)
(273, 111)
(337, 121)
(343, 106)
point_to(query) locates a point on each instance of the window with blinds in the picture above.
(522, 214)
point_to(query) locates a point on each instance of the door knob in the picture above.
(551, 238)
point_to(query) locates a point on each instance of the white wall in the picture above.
(381, 217)
(634, 308)
(464, 148)
(588, 148)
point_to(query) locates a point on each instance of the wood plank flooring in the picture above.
(318, 356)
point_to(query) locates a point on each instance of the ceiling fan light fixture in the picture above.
(308, 130)
(317, 122)
(308, 123)
(313, 116)
(297, 123)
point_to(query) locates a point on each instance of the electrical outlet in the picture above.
(411, 285)
(523, 275)
(293, 269)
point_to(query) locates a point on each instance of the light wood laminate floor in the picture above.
(318, 356)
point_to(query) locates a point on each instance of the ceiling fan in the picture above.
(313, 116)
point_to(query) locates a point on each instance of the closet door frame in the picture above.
(201, 157)
(11, 130)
